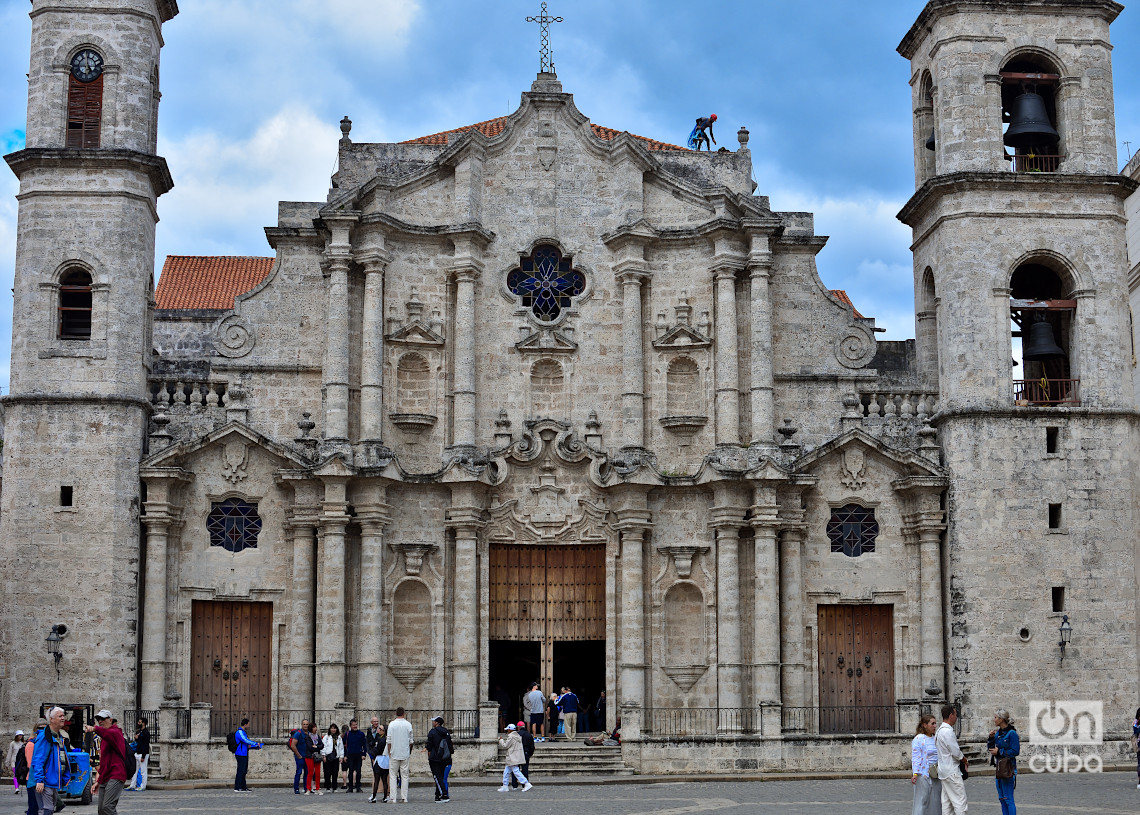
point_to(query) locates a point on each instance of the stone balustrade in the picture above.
(903, 404)
(195, 394)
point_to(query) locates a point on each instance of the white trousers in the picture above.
(953, 795)
(513, 768)
(140, 774)
(399, 768)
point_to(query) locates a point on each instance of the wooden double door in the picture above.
(548, 609)
(231, 663)
(856, 669)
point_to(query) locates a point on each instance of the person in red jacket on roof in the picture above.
(112, 762)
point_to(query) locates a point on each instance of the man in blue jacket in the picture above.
(242, 755)
(568, 704)
(48, 772)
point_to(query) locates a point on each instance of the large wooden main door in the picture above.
(856, 669)
(231, 663)
(548, 594)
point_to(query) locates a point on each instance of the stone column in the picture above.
(337, 254)
(726, 523)
(158, 520)
(372, 361)
(633, 522)
(793, 532)
(331, 595)
(759, 274)
(727, 371)
(302, 633)
(464, 355)
(632, 358)
(924, 524)
(373, 518)
(766, 624)
(465, 517)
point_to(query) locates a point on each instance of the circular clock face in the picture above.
(86, 65)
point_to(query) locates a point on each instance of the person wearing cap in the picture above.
(440, 748)
(112, 762)
(399, 751)
(528, 751)
(49, 769)
(10, 762)
(515, 759)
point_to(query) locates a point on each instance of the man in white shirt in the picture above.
(949, 754)
(399, 750)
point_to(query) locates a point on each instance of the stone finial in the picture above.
(345, 129)
(742, 137)
(503, 435)
(661, 326)
(160, 439)
(306, 424)
(683, 310)
(306, 445)
(928, 442)
(788, 446)
(593, 431)
(415, 306)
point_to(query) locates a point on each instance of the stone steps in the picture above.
(553, 759)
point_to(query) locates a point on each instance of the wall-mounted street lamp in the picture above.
(1066, 635)
(54, 642)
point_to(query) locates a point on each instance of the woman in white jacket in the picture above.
(332, 753)
(924, 759)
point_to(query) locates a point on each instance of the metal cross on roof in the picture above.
(544, 20)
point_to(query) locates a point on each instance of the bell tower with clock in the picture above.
(76, 415)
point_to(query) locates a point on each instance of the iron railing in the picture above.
(181, 724)
(700, 721)
(278, 724)
(131, 722)
(841, 719)
(1046, 391)
(463, 724)
(1034, 164)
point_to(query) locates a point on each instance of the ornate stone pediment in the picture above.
(548, 517)
(416, 334)
(547, 341)
(681, 338)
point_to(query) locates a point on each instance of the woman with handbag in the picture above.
(1006, 747)
(924, 768)
(332, 752)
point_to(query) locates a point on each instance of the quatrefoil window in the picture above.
(546, 283)
(852, 530)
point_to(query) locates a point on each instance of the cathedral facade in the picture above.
(537, 399)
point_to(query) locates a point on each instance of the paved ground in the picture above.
(1104, 794)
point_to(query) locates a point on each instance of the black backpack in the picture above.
(22, 766)
(231, 741)
(129, 762)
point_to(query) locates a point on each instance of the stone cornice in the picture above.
(472, 229)
(935, 9)
(934, 189)
(71, 158)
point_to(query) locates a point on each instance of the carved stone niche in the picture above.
(685, 676)
(414, 553)
(683, 557)
(410, 676)
(413, 422)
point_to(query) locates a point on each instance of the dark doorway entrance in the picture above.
(513, 666)
(581, 666)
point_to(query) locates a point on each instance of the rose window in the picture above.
(546, 283)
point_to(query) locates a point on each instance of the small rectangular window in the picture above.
(1051, 434)
(1054, 516)
(65, 497)
(1058, 598)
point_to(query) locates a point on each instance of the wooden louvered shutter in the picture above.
(84, 112)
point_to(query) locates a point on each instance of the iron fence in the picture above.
(1034, 164)
(841, 719)
(131, 722)
(278, 724)
(1046, 391)
(463, 724)
(181, 724)
(700, 721)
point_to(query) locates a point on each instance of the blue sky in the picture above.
(253, 91)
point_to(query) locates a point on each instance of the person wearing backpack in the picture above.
(244, 742)
(439, 750)
(296, 745)
(49, 768)
(115, 767)
(14, 750)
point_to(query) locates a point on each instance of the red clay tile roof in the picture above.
(189, 281)
(493, 127)
(841, 295)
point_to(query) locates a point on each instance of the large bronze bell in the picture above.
(1029, 123)
(930, 142)
(1040, 345)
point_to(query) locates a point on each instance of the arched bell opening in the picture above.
(1029, 85)
(1041, 314)
(925, 128)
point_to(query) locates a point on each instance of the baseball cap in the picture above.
(521, 725)
(511, 727)
(103, 714)
(19, 732)
(438, 719)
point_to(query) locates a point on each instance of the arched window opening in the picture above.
(85, 99)
(413, 384)
(683, 388)
(926, 125)
(546, 283)
(852, 530)
(75, 305)
(1029, 115)
(1042, 319)
(233, 524)
(546, 382)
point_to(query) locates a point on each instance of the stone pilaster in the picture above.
(631, 279)
(338, 254)
(792, 663)
(634, 521)
(727, 517)
(465, 516)
(302, 632)
(765, 599)
(373, 517)
(760, 335)
(372, 356)
(465, 272)
(727, 364)
(330, 636)
(923, 525)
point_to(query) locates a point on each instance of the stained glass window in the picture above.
(852, 530)
(546, 283)
(233, 524)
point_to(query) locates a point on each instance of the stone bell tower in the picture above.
(75, 419)
(1022, 321)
